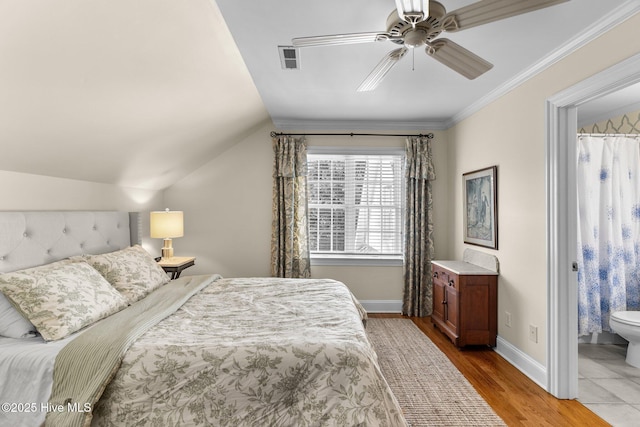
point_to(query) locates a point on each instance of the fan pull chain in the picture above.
(413, 59)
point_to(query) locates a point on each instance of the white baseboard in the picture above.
(382, 306)
(522, 361)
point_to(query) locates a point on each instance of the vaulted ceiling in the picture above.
(140, 93)
(134, 93)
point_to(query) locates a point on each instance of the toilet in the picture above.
(627, 325)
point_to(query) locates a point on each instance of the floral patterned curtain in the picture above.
(289, 228)
(608, 187)
(419, 250)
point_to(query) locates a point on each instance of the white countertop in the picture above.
(462, 267)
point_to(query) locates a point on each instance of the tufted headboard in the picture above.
(32, 238)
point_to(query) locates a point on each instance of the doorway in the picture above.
(562, 304)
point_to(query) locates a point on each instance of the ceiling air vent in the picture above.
(289, 58)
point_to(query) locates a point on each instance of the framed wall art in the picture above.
(481, 207)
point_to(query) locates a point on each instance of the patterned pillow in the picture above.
(132, 271)
(62, 297)
(12, 323)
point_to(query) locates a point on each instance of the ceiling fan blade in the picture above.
(458, 58)
(485, 11)
(338, 39)
(375, 77)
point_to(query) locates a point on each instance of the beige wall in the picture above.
(625, 123)
(227, 205)
(227, 210)
(510, 133)
(20, 191)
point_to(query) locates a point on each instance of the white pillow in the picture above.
(12, 323)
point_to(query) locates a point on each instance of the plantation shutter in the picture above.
(356, 204)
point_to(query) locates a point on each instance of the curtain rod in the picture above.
(274, 134)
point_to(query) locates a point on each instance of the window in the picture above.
(355, 204)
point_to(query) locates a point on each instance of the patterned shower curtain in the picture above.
(419, 249)
(608, 186)
(289, 228)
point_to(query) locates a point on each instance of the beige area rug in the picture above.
(429, 388)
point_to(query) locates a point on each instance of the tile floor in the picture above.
(607, 385)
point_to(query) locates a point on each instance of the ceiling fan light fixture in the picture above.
(413, 11)
(415, 37)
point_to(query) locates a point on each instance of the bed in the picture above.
(142, 350)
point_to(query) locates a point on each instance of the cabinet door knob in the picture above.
(435, 275)
(451, 282)
(444, 302)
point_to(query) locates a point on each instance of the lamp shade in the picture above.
(167, 224)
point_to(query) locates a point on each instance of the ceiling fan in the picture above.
(417, 23)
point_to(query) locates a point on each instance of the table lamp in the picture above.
(167, 225)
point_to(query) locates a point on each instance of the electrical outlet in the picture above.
(507, 320)
(533, 333)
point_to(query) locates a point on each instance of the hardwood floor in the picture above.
(514, 397)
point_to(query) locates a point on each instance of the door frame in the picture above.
(562, 213)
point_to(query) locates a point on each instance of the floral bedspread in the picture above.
(254, 352)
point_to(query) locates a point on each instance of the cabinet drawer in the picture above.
(446, 277)
(439, 275)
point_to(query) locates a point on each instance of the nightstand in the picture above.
(176, 264)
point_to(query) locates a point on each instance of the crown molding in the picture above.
(613, 18)
(347, 125)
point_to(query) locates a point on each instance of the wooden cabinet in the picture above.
(465, 302)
